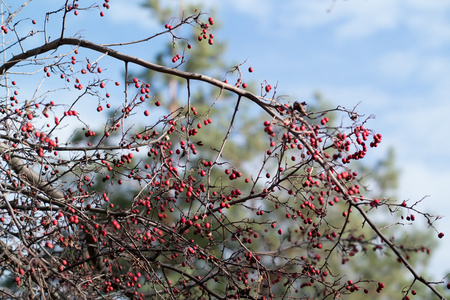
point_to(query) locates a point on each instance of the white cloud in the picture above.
(436, 69)
(353, 19)
(414, 64)
(363, 18)
(368, 98)
(260, 9)
(132, 12)
(350, 19)
(418, 180)
(398, 65)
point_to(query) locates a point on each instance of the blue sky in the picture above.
(393, 56)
